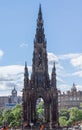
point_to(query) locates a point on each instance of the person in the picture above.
(4, 128)
(42, 127)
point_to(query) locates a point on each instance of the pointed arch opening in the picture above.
(40, 110)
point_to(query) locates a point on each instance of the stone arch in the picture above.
(31, 104)
(40, 116)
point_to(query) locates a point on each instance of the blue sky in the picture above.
(63, 31)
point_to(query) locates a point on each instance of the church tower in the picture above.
(40, 85)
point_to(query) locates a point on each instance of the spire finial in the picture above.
(26, 69)
(25, 64)
(40, 13)
(54, 65)
(40, 9)
(40, 36)
(74, 84)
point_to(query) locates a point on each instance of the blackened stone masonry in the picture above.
(39, 84)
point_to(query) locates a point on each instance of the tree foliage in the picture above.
(72, 115)
(12, 117)
(63, 121)
(66, 117)
(8, 116)
(17, 114)
(1, 117)
(40, 110)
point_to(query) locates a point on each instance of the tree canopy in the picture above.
(13, 117)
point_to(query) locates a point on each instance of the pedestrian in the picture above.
(41, 127)
(4, 128)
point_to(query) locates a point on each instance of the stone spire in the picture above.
(40, 62)
(26, 80)
(26, 69)
(40, 36)
(74, 87)
(14, 92)
(53, 77)
(40, 13)
(39, 83)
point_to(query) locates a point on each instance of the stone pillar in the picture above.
(50, 124)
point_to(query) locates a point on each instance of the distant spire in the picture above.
(74, 84)
(14, 87)
(74, 87)
(14, 91)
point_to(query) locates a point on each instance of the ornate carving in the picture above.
(40, 84)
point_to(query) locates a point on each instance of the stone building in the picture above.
(72, 98)
(13, 99)
(40, 85)
(10, 101)
(3, 101)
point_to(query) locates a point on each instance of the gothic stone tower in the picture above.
(39, 84)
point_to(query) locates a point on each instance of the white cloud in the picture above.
(60, 80)
(64, 87)
(74, 58)
(77, 61)
(1, 54)
(11, 76)
(52, 58)
(3, 86)
(79, 87)
(69, 56)
(77, 73)
(24, 45)
(12, 69)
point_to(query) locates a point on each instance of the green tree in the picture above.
(1, 117)
(13, 117)
(17, 115)
(63, 121)
(64, 112)
(8, 116)
(69, 122)
(40, 110)
(80, 114)
(75, 114)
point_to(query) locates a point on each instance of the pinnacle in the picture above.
(40, 13)
(25, 64)
(40, 9)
